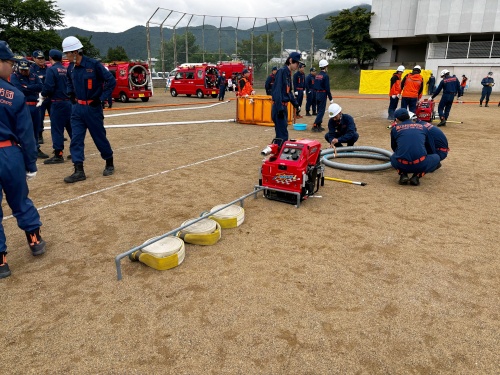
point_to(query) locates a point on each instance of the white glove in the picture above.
(430, 98)
(296, 93)
(331, 101)
(253, 93)
(399, 96)
(30, 175)
(394, 96)
(40, 99)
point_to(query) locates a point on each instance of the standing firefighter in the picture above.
(270, 81)
(89, 83)
(395, 92)
(17, 160)
(450, 86)
(412, 86)
(299, 84)
(282, 95)
(311, 94)
(488, 82)
(322, 88)
(40, 69)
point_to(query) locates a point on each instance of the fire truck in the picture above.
(198, 79)
(133, 81)
(233, 70)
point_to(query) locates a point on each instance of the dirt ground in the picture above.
(376, 279)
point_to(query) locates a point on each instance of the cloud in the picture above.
(118, 16)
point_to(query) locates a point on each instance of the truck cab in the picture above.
(195, 79)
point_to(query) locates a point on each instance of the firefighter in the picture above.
(395, 92)
(221, 84)
(282, 95)
(40, 69)
(55, 89)
(488, 82)
(89, 83)
(410, 143)
(431, 83)
(322, 89)
(244, 86)
(450, 86)
(412, 86)
(341, 127)
(463, 85)
(270, 81)
(30, 85)
(17, 160)
(440, 140)
(310, 93)
(299, 84)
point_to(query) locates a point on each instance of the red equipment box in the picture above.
(293, 172)
(425, 110)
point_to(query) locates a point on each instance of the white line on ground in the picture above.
(138, 180)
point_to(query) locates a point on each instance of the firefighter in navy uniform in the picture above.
(55, 89)
(17, 161)
(283, 95)
(322, 89)
(440, 140)
(410, 143)
(270, 81)
(299, 84)
(451, 87)
(341, 127)
(40, 69)
(488, 82)
(30, 85)
(89, 83)
(310, 93)
(221, 84)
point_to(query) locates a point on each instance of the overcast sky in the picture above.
(120, 15)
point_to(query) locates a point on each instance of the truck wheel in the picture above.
(199, 94)
(145, 99)
(173, 92)
(123, 97)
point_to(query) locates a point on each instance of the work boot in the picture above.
(314, 113)
(40, 139)
(315, 129)
(480, 104)
(414, 180)
(403, 179)
(68, 157)
(4, 267)
(486, 105)
(35, 241)
(443, 122)
(42, 155)
(110, 168)
(56, 159)
(437, 167)
(308, 114)
(321, 129)
(78, 175)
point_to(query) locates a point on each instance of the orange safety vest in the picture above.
(412, 86)
(396, 86)
(247, 88)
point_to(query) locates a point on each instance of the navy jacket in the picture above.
(450, 86)
(282, 89)
(90, 80)
(344, 130)
(322, 84)
(410, 141)
(56, 81)
(29, 85)
(269, 84)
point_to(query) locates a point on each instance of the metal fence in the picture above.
(227, 28)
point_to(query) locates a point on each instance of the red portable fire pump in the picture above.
(425, 110)
(293, 171)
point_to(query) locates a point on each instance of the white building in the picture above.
(458, 35)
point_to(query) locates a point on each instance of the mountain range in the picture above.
(134, 40)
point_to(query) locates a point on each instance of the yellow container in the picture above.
(256, 110)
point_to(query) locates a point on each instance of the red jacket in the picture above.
(395, 84)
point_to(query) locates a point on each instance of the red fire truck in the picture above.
(198, 79)
(133, 81)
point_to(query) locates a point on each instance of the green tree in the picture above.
(175, 49)
(350, 36)
(257, 54)
(88, 48)
(29, 24)
(116, 54)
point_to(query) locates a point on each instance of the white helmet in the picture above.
(401, 68)
(334, 109)
(323, 63)
(444, 72)
(71, 43)
(412, 115)
(417, 67)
